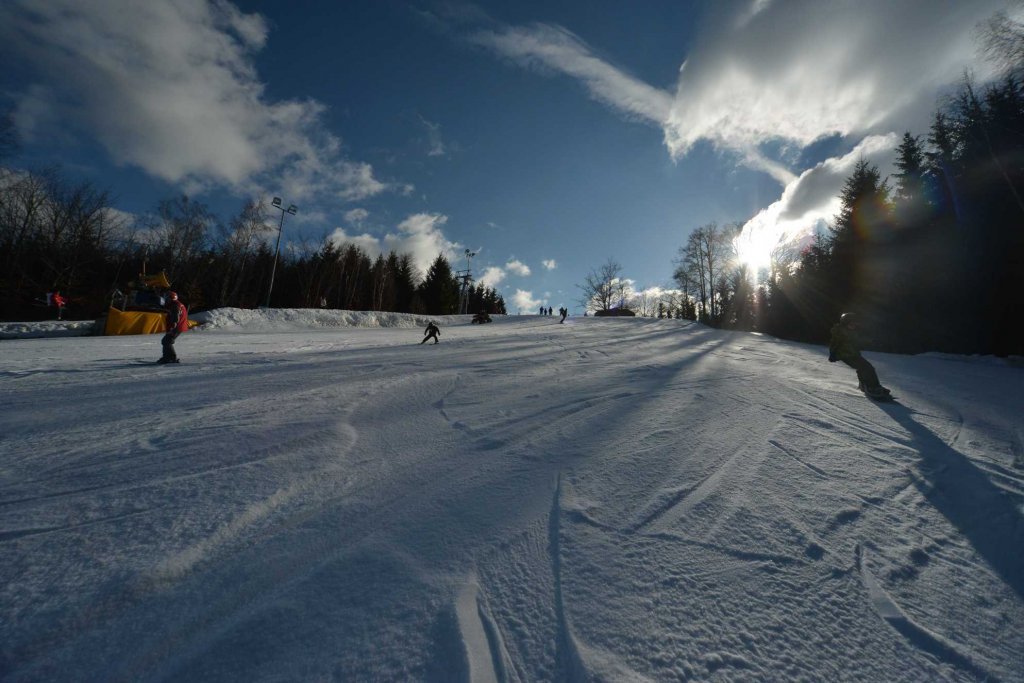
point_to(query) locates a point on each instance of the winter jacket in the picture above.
(843, 343)
(177, 317)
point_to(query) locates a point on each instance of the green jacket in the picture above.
(844, 343)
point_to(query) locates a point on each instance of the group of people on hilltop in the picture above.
(562, 311)
(844, 344)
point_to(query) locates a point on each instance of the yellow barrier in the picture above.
(137, 322)
(134, 322)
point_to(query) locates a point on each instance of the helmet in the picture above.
(848, 319)
(173, 296)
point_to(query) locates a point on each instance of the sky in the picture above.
(318, 498)
(543, 137)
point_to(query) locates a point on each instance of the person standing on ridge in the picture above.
(565, 314)
(177, 322)
(844, 346)
(431, 332)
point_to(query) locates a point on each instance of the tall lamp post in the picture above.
(280, 227)
(467, 277)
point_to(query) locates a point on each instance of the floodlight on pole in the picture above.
(467, 277)
(292, 209)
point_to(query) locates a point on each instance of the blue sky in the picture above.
(545, 136)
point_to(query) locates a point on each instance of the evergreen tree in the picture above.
(439, 291)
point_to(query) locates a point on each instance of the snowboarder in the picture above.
(177, 322)
(431, 332)
(844, 346)
(565, 314)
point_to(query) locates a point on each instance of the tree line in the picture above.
(59, 235)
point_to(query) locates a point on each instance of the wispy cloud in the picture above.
(800, 70)
(553, 48)
(518, 267)
(356, 216)
(549, 264)
(435, 145)
(172, 88)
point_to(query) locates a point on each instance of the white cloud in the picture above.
(356, 216)
(518, 267)
(171, 87)
(549, 264)
(420, 235)
(524, 301)
(799, 70)
(492, 276)
(809, 202)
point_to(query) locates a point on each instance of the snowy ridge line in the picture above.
(919, 636)
(484, 662)
(281, 319)
(47, 328)
(567, 656)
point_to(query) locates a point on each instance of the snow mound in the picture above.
(283, 319)
(47, 328)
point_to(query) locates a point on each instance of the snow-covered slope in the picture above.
(606, 499)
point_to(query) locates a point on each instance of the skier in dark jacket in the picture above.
(177, 322)
(844, 346)
(431, 332)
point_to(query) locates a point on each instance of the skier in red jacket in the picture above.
(177, 322)
(57, 299)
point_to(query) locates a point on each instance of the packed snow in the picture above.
(312, 495)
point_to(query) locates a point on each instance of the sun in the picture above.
(754, 248)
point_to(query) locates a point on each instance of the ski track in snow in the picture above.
(319, 498)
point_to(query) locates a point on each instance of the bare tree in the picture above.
(1002, 41)
(603, 287)
(691, 270)
(238, 245)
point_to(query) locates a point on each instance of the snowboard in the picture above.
(881, 398)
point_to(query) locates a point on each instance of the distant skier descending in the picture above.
(431, 332)
(844, 346)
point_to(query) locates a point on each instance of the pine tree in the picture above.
(439, 290)
(911, 164)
